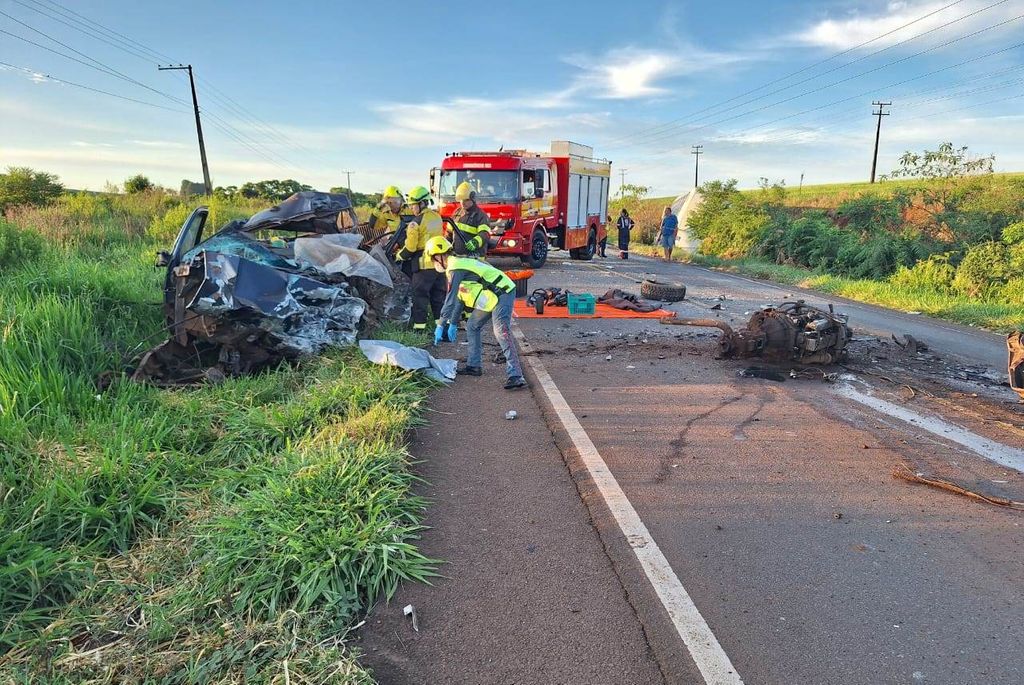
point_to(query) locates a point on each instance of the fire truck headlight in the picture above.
(511, 243)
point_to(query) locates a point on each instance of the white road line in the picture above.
(711, 659)
(1011, 457)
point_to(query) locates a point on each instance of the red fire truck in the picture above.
(548, 200)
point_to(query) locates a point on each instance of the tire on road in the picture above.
(660, 290)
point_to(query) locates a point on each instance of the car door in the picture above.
(190, 235)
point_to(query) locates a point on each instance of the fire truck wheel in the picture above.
(538, 251)
(586, 253)
(664, 292)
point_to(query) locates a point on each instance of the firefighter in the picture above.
(428, 286)
(390, 214)
(490, 294)
(473, 237)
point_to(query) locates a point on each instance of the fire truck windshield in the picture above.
(490, 186)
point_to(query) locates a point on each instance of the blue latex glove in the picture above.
(453, 332)
(438, 334)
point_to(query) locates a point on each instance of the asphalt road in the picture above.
(774, 503)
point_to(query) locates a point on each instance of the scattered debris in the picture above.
(790, 331)
(511, 415)
(608, 358)
(410, 611)
(620, 299)
(904, 473)
(716, 307)
(391, 353)
(910, 344)
(1015, 365)
(767, 373)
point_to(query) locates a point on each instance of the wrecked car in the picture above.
(288, 282)
(791, 331)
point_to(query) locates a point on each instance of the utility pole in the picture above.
(622, 181)
(801, 180)
(348, 181)
(199, 125)
(696, 151)
(878, 132)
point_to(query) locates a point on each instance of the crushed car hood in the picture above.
(309, 212)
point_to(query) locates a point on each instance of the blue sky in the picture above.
(384, 89)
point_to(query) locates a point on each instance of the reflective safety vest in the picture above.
(481, 283)
(470, 240)
(423, 227)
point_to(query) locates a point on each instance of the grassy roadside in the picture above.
(998, 317)
(218, 535)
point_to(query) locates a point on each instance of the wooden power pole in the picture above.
(878, 133)
(696, 151)
(199, 124)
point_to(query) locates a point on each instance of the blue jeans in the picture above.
(501, 319)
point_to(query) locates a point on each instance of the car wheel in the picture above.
(661, 291)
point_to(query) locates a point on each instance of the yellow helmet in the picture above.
(417, 195)
(437, 245)
(465, 192)
(391, 191)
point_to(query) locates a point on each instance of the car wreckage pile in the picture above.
(791, 331)
(291, 281)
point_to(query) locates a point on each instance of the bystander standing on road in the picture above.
(624, 224)
(669, 231)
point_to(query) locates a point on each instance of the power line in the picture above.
(669, 133)
(54, 16)
(67, 11)
(669, 124)
(861, 74)
(135, 48)
(98, 65)
(65, 82)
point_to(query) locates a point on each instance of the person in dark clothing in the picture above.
(603, 245)
(624, 224)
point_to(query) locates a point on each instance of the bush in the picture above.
(137, 184)
(18, 246)
(1013, 291)
(934, 273)
(1013, 234)
(984, 271)
(872, 214)
(25, 186)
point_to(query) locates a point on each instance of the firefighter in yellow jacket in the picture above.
(389, 215)
(428, 286)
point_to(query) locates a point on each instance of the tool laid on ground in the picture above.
(791, 331)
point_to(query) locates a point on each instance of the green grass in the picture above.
(996, 316)
(220, 534)
(831, 195)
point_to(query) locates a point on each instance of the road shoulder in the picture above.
(528, 594)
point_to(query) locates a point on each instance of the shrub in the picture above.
(934, 273)
(18, 246)
(1013, 234)
(984, 270)
(25, 186)
(1013, 291)
(871, 214)
(137, 184)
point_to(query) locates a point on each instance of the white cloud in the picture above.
(790, 136)
(458, 121)
(859, 27)
(629, 73)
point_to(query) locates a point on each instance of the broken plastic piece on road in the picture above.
(511, 414)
